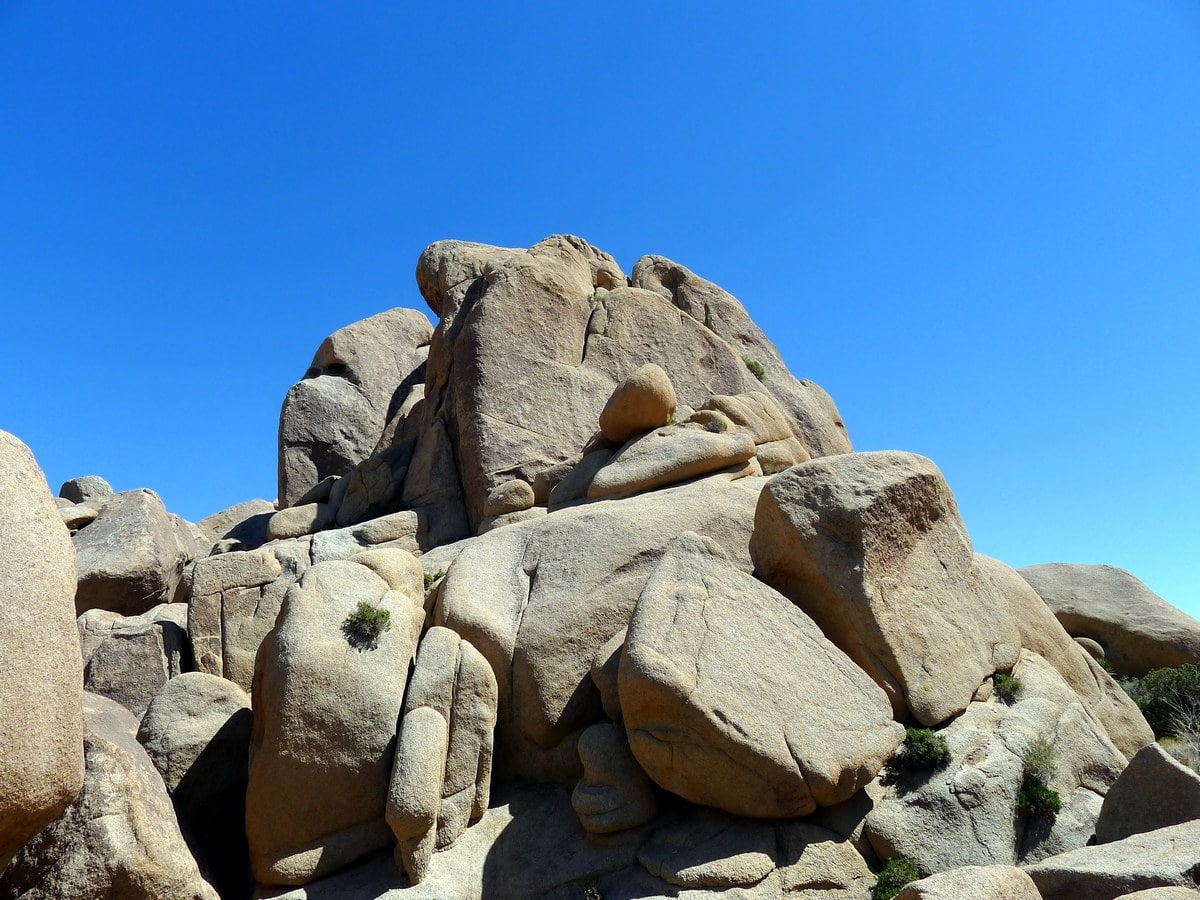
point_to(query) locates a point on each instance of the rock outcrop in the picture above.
(1137, 629)
(120, 837)
(41, 672)
(577, 594)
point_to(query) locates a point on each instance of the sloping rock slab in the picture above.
(725, 687)
(539, 598)
(1153, 792)
(1167, 857)
(872, 547)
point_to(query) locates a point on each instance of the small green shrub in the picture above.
(432, 577)
(1037, 798)
(923, 749)
(716, 426)
(755, 367)
(365, 624)
(1008, 687)
(1166, 696)
(673, 420)
(892, 879)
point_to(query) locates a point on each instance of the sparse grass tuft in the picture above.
(589, 887)
(432, 577)
(1008, 687)
(892, 879)
(755, 367)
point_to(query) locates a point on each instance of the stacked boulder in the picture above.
(577, 593)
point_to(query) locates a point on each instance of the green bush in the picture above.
(365, 624)
(755, 367)
(716, 426)
(432, 577)
(1008, 687)
(922, 749)
(894, 876)
(1036, 797)
(1166, 697)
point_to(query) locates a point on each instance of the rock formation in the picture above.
(577, 593)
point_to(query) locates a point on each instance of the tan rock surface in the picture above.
(1153, 792)
(871, 546)
(119, 839)
(974, 882)
(1138, 630)
(643, 401)
(668, 456)
(326, 705)
(41, 670)
(725, 689)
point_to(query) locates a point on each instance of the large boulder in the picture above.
(1165, 857)
(85, 488)
(333, 417)
(530, 346)
(643, 401)
(1041, 632)
(974, 882)
(614, 793)
(245, 523)
(1138, 630)
(196, 731)
(726, 687)
(539, 599)
(814, 417)
(442, 777)
(236, 598)
(872, 547)
(130, 558)
(120, 839)
(129, 658)
(1154, 791)
(965, 813)
(41, 672)
(668, 456)
(327, 699)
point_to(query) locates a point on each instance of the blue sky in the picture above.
(975, 224)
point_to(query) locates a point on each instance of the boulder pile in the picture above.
(578, 593)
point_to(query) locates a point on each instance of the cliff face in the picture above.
(578, 593)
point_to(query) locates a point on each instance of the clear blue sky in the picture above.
(976, 224)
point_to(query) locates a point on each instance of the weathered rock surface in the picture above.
(236, 598)
(668, 456)
(333, 417)
(119, 840)
(614, 793)
(1138, 630)
(644, 400)
(539, 598)
(975, 883)
(41, 673)
(1167, 857)
(85, 488)
(725, 690)
(1041, 632)
(816, 420)
(129, 658)
(965, 813)
(507, 406)
(245, 523)
(528, 844)
(326, 704)
(196, 731)
(442, 775)
(871, 546)
(1155, 791)
(129, 558)
(710, 850)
